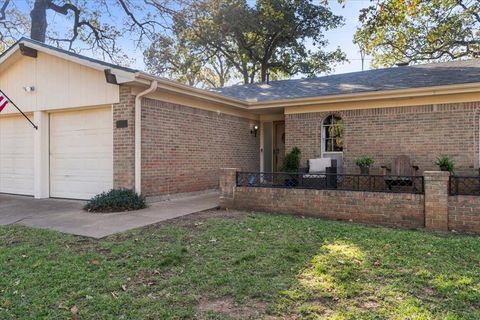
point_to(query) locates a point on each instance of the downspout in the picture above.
(138, 135)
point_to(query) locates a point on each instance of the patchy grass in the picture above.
(225, 266)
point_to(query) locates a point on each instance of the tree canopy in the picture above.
(400, 31)
(269, 36)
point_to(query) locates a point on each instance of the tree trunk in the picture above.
(263, 72)
(39, 20)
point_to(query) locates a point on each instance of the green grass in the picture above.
(212, 266)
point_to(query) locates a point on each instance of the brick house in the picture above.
(102, 126)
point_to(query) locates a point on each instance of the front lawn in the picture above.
(219, 265)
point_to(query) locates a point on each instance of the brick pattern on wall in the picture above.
(390, 209)
(124, 141)
(421, 132)
(183, 148)
(464, 213)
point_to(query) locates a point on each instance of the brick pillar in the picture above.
(124, 140)
(228, 182)
(436, 200)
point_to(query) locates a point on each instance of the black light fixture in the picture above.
(254, 130)
(110, 77)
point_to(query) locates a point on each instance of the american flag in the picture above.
(3, 102)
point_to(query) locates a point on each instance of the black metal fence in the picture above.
(459, 185)
(332, 181)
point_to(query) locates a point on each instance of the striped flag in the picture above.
(3, 102)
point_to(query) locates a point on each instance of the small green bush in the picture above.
(291, 162)
(365, 161)
(445, 163)
(116, 200)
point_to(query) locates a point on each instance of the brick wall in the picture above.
(403, 210)
(124, 141)
(422, 132)
(184, 148)
(464, 213)
(435, 210)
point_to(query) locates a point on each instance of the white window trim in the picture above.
(322, 142)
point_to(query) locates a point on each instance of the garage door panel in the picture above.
(81, 153)
(16, 156)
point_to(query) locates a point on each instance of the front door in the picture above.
(278, 144)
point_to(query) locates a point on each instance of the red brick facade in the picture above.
(124, 141)
(422, 132)
(183, 148)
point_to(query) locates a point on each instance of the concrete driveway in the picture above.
(67, 215)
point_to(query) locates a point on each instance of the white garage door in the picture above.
(16, 156)
(81, 153)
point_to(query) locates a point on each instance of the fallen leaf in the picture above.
(124, 287)
(74, 311)
(114, 295)
(7, 303)
(94, 262)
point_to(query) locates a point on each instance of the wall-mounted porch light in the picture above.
(29, 89)
(254, 130)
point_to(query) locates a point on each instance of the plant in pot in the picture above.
(291, 164)
(364, 163)
(445, 163)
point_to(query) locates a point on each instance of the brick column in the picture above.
(228, 182)
(436, 200)
(124, 140)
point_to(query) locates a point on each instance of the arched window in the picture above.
(332, 134)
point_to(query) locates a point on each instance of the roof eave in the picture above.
(372, 95)
(177, 87)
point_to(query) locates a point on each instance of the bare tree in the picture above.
(94, 25)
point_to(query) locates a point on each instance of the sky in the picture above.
(343, 37)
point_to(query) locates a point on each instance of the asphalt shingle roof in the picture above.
(417, 76)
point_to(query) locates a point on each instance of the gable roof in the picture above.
(70, 54)
(407, 77)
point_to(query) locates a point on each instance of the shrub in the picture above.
(365, 161)
(116, 200)
(291, 162)
(445, 163)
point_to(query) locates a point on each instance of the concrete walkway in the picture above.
(67, 215)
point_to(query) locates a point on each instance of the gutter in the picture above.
(138, 135)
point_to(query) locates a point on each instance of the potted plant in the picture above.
(291, 164)
(445, 163)
(364, 163)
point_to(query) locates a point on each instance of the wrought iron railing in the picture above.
(459, 185)
(332, 181)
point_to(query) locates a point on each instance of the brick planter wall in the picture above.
(464, 213)
(390, 209)
(435, 210)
